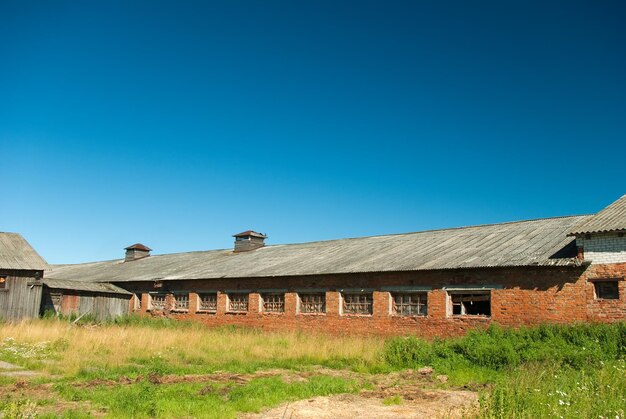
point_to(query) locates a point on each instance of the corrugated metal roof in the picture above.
(16, 253)
(84, 286)
(612, 218)
(524, 243)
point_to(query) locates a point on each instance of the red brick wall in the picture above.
(524, 296)
(606, 310)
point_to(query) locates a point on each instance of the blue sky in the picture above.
(178, 124)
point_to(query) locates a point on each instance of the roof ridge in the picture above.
(331, 240)
(434, 230)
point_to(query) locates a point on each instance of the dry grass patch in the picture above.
(188, 348)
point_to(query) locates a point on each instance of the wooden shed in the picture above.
(21, 270)
(100, 300)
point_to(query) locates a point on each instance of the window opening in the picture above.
(208, 302)
(313, 303)
(273, 303)
(476, 303)
(360, 303)
(410, 304)
(238, 303)
(606, 290)
(181, 302)
(158, 301)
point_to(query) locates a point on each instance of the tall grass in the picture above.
(577, 346)
(136, 346)
(547, 371)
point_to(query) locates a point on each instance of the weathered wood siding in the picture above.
(101, 306)
(21, 298)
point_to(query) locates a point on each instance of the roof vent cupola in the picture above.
(249, 240)
(136, 251)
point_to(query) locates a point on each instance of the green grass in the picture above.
(392, 401)
(546, 371)
(145, 399)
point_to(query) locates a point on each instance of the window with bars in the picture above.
(606, 290)
(471, 303)
(158, 301)
(273, 302)
(208, 302)
(312, 303)
(357, 303)
(181, 302)
(237, 302)
(409, 304)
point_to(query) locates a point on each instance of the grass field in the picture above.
(160, 368)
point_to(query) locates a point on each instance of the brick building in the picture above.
(431, 283)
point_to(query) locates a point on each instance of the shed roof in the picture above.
(250, 233)
(524, 243)
(16, 253)
(138, 246)
(99, 287)
(612, 218)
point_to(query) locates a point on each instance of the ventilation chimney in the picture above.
(249, 240)
(136, 251)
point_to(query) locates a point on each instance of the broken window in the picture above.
(409, 304)
(313, 303)
(3, 282)
(471, 303)
(357, 303)
(181, 302)
(273, 303)
(157, 301)
(208, 302)
(238, 302)
(606, 290)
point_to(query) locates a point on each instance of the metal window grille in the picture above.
(472, 303)
(208, 302)
(410, 304)
(238, 302)
(274, 303)
(313, 303)
(357, 303)
(158, 301)
(181, 302)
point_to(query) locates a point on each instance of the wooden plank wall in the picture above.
(22, 297)
(101, 306)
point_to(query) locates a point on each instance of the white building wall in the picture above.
(604, 248)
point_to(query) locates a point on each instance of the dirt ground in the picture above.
(423, 404)
(406, 394)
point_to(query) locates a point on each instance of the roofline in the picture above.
(610, 230)
(570, 263)
(335, 240)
